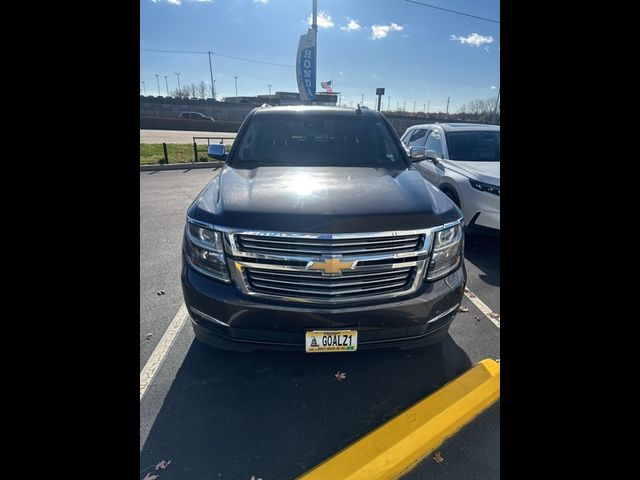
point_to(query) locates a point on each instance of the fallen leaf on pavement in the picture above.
(163, 464)
(438, 457)
(341, 375)
(151, 476)
(463, 309)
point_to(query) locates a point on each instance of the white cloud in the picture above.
(260, 1)
(352, 25)
(405, 35)
(493, 87)
(324, 19)
(381, 31)
(473, 39)
(341, 73)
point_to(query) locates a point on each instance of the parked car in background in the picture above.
(462, 160)
(195, 116)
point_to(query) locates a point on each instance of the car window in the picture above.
(406, 136)
(317, 140)
(434, 142)
(418, 138)
(470, 146)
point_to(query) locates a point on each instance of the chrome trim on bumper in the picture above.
(208, 317)
(444, 314)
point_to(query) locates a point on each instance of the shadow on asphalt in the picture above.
(275, 415)
(483, 251)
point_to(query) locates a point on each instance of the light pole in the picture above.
(269, 85)
(388, 103)
(179, 89)
(428, 105)
(448, 98)
(144, 88)
(424, 107)
(414, 106)
(166, 82)
(158, 80)
(235, 77)
(404, 106)
(210, 70)
(362, 102)
(213, 92)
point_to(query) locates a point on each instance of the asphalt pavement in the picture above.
(275, 415)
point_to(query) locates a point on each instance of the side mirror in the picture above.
(417, 154)
(432, 155)
(217, 151)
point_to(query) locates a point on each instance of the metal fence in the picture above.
(199, 149)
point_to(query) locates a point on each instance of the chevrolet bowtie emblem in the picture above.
(331, 266)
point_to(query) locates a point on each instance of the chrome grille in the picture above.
(293, 266)
(315, 285)
(313, 246)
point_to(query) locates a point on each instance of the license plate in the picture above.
(331, 341)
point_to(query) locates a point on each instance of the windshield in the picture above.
(470, 146)
(317, 140)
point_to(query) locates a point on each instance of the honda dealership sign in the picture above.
(306, 66)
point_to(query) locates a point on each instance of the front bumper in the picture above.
(223, 317)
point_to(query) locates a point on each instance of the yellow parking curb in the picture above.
(400, 443)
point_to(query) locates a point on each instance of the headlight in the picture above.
(447, 252)
(204, 251)
(485, 187)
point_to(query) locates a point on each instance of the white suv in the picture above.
(462, 160)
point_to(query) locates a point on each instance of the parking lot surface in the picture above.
(275, 415)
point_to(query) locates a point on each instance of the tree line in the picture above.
(482, 110)
(195, 90)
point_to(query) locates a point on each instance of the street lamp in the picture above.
(166, 82)
(388, 103)
(269, 85)
(158, 80)
(235, 77)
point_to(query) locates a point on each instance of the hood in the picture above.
(322, 200)
(488, 172)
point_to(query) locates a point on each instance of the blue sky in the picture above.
(417, 53)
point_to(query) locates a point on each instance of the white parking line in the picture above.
(156, 358)
(490, 314)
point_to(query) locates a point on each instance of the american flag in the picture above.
(327, 86)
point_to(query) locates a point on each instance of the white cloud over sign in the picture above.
(352, 25)
(324, 19)
(382, 31)
(473, 39)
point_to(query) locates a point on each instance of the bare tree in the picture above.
(202, 90)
